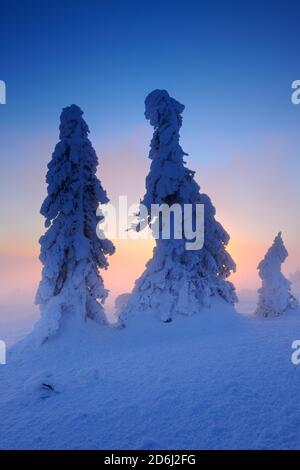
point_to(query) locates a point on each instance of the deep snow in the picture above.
(216, 380)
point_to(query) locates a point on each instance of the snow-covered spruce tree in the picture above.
(177, 280)
(275, 294)
(71, 252)
(295, 281)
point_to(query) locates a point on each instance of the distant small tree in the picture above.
(177, 280)
(120, 303)
(71, 252)
(295, 280)
(275, 294)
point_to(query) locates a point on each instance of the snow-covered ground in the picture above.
(217, 380)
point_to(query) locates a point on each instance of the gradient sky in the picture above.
(231, 63)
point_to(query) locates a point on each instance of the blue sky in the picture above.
(231, 63)
(227, 61)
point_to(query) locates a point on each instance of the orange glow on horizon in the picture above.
(20, 270)
(126, 265)
(246, 255)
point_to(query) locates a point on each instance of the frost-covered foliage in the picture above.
(275, 294)
(71, 252)
(177, 280)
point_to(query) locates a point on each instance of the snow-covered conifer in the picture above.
(295, 280)
(177, 280)
(71, 252)
(275, 294)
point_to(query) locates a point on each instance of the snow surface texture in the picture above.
(71, 252)
(275, 294)
(178, 281)
(212, 381)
